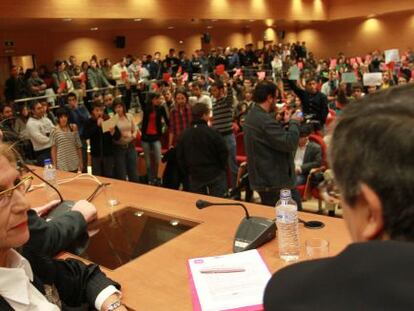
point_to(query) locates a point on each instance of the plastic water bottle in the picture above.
(49, 174)
(287, 226)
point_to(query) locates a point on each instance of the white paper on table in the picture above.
(225, 291)
(392, 56)
(372, 79)
(108, 124)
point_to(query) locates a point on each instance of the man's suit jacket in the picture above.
(375, 275)
(312, 158)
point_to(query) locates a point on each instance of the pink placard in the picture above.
(185, 76)
(333, 63)
(261, 75)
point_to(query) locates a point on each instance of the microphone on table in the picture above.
(252, 232)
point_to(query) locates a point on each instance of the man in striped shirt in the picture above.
(223, 120)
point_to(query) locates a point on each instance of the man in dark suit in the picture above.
(372, 160)
(308, 155)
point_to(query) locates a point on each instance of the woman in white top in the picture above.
(124, 154)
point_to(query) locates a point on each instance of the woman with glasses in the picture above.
(38, 282)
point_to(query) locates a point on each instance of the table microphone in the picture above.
(252, 232)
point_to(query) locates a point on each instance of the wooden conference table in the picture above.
(158, 280)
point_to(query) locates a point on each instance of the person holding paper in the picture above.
(375, 271)
(330, 87)
(102, 146)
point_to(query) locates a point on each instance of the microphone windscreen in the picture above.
(202, 204)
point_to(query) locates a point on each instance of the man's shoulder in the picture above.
(314, 146)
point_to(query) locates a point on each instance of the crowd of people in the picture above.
(95, 103)
(371, 158)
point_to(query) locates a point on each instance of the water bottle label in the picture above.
(286, 217)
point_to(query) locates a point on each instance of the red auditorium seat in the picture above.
(241, 152)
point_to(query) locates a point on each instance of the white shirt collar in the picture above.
(15, 278)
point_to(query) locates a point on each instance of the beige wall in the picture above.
(352, 36)
(359, 36)
(54, 45)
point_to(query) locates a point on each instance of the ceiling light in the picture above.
(171, 27)
(181, 42)
(251, 20)
(371, 15)
(209, 27)
(94, 28)
(214, 20)
(137, 19)
(67, 19)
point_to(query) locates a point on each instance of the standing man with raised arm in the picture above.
(270, 147)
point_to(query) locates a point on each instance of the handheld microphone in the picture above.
(252, 232)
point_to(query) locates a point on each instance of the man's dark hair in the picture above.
(62, 112)
(196, 84)
(98, 104)
(71, 94)
(262, 90)
(357, 86)
(199, 110)
(4, 106)
(218, 84)
(305, 130)
(373, 143)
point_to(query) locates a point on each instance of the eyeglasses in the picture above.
(21, 184)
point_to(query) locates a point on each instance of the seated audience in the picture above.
(375, 271)
(308, 155)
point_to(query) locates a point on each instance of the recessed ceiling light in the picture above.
(251, 20)
(214, 20)
(94, 28)
(209, 27)
(67, 19)
(181, 42)
(137, 19)
(171, 27)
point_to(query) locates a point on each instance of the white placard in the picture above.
(392, 56)
(372, 79)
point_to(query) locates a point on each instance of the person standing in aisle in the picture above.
(270, 147)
